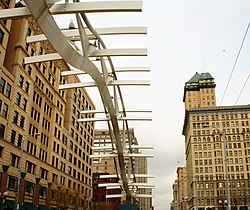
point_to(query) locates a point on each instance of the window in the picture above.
(22, 121)
(18, 98)
(71, 145)
(13, 137)
(7, 2)
(1, 151)
(8, 90)
(2, 130)
(1, 36)
(44, 173)
(30, 167)
(20, 82)
(15, 117)
(32, 52)
(2, 84)
(29, 70)
(29, 32)
(24, 104)
(14, 160)
(19, 141)
(26, 87)
(41, 51)
(12, 182)
(5, 110)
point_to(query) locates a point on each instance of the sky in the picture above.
(184, 37)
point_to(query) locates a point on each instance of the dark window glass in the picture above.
(5, 110)
(21, 81)
(2, 130)
(2, 85)
(7, 2)
(13, 137)
(22, 121)
(1, 36)
(15, 117)
(8, 90)
(26, 87)
(18, 98)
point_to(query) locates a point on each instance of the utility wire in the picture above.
(242, 89)
(236, 60)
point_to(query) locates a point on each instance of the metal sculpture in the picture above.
(66, 49)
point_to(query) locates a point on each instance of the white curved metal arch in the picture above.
(42, 15)
(77, 7)
(73, 34)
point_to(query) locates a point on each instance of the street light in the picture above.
(20, 173)
(186, 202)
(226, 163)
(3, 199)
(221, 203)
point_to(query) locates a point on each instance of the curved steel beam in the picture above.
(41, 13)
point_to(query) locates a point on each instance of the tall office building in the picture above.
(174, 203)
(180, 192)
(41, 143)
(199, 91)
(206, 129)
(107, 165)
(182, 188)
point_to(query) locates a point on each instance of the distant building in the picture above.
(180, 192)
(204, 148)
(107, 165)
(99, 193)
(174, 203)
(55, 163)
(182, 178)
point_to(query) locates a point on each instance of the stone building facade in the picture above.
(39, 132)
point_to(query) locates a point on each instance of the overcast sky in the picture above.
(184, 36)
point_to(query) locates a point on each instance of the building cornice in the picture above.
(215, 109)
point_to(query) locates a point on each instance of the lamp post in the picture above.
(3, 199)
(186, 202)
(221, 203)
(226, 164)
(20, 174)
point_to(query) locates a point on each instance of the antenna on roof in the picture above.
(204, 68)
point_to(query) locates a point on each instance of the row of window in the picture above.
(217, 138)
(207, 199)
(29, 189)
(18, 100)
(79, 176)
(221, 116)
(23, 85)
(81, 154)
(224, 124)
(16, 118)
(227, 131)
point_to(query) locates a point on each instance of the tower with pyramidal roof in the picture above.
(199, 91)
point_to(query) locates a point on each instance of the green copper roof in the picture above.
(197, 77)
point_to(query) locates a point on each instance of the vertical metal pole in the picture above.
(19, 177)
(227, 178)
(197, 193)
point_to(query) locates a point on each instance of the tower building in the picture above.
(217, 148)
(199, 91)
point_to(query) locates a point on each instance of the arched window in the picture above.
(208, 139)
